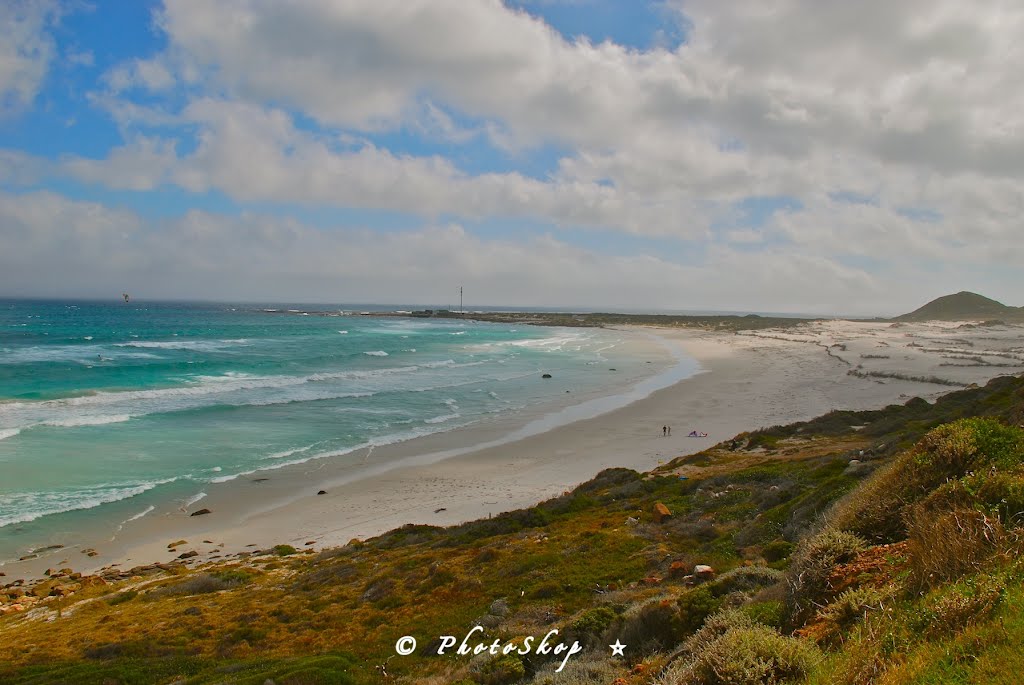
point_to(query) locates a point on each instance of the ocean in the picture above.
(108, 410)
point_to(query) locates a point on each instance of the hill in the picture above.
(964, 306)
(859, 547)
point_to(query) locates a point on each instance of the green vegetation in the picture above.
(860, 547)
(963, 306)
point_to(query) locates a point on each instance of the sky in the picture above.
(809, 156)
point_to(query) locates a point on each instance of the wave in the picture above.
(77, 421)
(29, 506)
(377, 353)
(8, 432)
(195, 345)
(343, 332)
(443, 418)
(192, 500)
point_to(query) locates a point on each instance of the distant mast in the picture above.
(461, 311)
(126, 297)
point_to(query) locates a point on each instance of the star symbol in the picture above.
(617, 648)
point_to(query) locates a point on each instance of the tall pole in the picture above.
(461, 311)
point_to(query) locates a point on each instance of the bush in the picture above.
(746, 655)
(815, 558)
(122, 597)
(594, 621)
(777, 550)
(963, 605)
(745, 579)
(850, 607)
(284, 550)
(501, 670)
(946, 545)
(582, 669)
(771, 613)
(647, 628)
(877, 509)
(201, 584)
(695, 606)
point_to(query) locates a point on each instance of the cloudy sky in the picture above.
(757, 155)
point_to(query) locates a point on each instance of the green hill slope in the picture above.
(859, 547)
(964, 306)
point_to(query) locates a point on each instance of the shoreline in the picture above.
(749, 381)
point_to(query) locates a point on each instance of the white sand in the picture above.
(751, 379)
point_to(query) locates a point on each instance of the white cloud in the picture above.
(56, 246)
(26, 50)
(917, 105)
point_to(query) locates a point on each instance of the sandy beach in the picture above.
(748, 380)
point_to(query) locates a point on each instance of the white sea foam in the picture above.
(29, 506)
(196, 345)
(142, 513)
(377, 353)
(192, 500)
(343, 332)
(443, 418)
(8, 432)
(76, 421)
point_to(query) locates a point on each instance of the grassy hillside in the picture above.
(964, 306)
(858, 547)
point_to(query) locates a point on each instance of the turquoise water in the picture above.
(107, 409)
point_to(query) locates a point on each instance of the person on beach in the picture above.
(664, 431)
(670, 431)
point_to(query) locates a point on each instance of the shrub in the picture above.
(771, 613)
(649, 627)
(850, 607)
(201, 584)
(946, 545)
(695, 606)
(594, 621)
(815, 558)
(501, 670)
(964, 604)
(745, 579)
(122, 597)
(583, 669)
(777, 550)
(746, 655)
(284, 550)
(947, 453)
(714, 627)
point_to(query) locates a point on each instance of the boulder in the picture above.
(678, 568)
(661, 512)
(65, 589)
(322, 492)
(703, 572)
(547, 375)
(93, 581)
(201, 512)
(188, 555)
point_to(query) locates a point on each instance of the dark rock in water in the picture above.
(547, 375)
(322, 492)
(260, 480)
(27, 557)
(201, 512)
(438, 511)
(188, 555)
(613, 369)
(50, 548)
